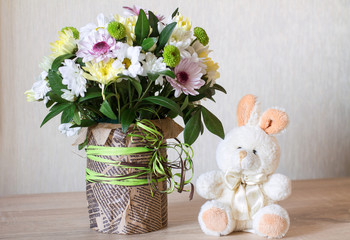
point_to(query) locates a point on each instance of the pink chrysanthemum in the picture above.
(97, 46)
(188, 78)
(135, 10)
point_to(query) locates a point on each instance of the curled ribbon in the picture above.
(157, 170)
(247, 197)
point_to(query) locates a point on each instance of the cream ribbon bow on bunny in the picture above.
(247, 197)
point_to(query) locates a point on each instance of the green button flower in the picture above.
(201, 35)
(171, 56)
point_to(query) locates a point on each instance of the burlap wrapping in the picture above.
(123, 209)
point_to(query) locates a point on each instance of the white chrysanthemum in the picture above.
(66, 129)
(72, 77)
(182, 35)
(130, 58)
(46, 63)
(40, 88)
(181, 39)
(68, 95)
(152, 64)
(190, 53)
(102, 23)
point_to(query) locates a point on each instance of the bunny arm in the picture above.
(278, 187)
(210, 185)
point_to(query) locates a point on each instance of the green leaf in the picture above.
(55, 82)
(148, 43)
(212, 123)
(172, 114)
(49, 103)
(165, 35)
(107, 110)
(168, 73)
(192, 128)
(174, 13)
(58, 61)
(90, 95)
(80, 62)
(67, 114)
(219, 88)
(126, 118)
(84, 123)
(54, 97)
(76, 117)
(184, 104)
(141, 27)
(137, 85)
(153, 76)
(164, 102)
(54, 111)
(82, 145)
(153, 22)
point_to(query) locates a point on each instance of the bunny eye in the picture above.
(239, 148)
(254, 151)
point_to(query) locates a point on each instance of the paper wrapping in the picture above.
(123, 209)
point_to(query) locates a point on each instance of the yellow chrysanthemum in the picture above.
(65, 45)
(30, 95)
(212, 70)
(184, 24)
(129, 24)
(101, 72)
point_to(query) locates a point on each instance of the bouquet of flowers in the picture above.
(125, 78)
(123, 69)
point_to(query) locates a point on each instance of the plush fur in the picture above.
(244, 192)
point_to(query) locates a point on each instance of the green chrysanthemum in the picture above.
(171, 56)
(74, 30)
(116, 30)
(201, 35)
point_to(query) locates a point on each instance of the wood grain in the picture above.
(319, 209)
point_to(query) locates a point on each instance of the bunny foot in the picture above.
(215, 219)
(271, 221)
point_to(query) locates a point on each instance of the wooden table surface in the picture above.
(319, 209)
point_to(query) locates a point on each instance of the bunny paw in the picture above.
(271, 221)
(215, 219)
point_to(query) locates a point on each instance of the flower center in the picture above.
(182, 77)
(100, 47)
(126, 63)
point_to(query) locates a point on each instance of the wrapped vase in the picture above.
(125, 208)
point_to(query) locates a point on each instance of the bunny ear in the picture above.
(273, 121)
(247, 110)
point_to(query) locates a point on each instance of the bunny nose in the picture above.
(242, 154)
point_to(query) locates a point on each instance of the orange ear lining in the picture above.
(273, 121)
(245, 108)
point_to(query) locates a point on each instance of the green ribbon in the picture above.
(157, 170)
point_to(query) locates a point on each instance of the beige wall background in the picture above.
(293, 54)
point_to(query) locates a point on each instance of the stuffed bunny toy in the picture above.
(243, 194)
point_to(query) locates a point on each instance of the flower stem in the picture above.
(103, 92)
(118, 100)
(143, 95)
(129, 86)
(193, 41)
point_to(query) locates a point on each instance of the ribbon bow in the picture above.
(247, 197)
